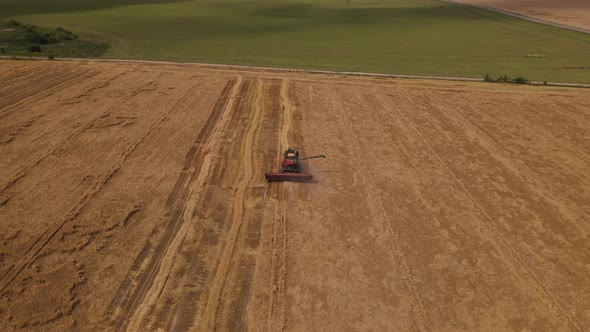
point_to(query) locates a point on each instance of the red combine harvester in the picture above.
(290, 168)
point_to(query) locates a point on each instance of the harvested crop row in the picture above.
(133, 196)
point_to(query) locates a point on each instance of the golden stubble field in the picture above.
(132, 197)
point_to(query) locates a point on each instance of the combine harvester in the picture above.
(290, 168)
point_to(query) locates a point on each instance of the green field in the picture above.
(425, 37)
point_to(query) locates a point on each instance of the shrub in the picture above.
(503, 79)
(64, 31)
(506, 79)
(65, 34)
(520, 80)
(544, 82)
(50, 57)
(2, 50)
(14, 23)
(70, 36)
(51, 38)
(36, 37)
(35, 48)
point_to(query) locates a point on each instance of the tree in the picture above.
(35, 48)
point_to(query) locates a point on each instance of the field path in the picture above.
(525, 17)
(177, 202)
(40, 243)
(379, 214)
(503, 242)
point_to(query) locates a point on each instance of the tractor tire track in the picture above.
(231, 252)
(22, 172)
(212, 170)
(577, 112)
(579, 150)
(278, 265)
(16, 73)
(176, 205)
(199, 243)
(224, 179)
(553, 136)
(46, 237)
(94, 87)
(10, 109)
(287, 113)
(523, 171)
(378, 211)
(507, 247)
(14, 88)
(278, 279)
(15, 91)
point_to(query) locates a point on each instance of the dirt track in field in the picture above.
(132, 197)
(575, 13)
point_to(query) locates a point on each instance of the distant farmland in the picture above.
(424, 37)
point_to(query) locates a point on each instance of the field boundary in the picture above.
(292, 70)
(522, 17)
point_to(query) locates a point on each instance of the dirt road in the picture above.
(572, 13)
(132, 197)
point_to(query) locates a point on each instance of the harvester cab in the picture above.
(291, 168)
(290, 161)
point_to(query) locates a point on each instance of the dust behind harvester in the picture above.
(291, 168)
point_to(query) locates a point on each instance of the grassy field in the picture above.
(426, 37)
